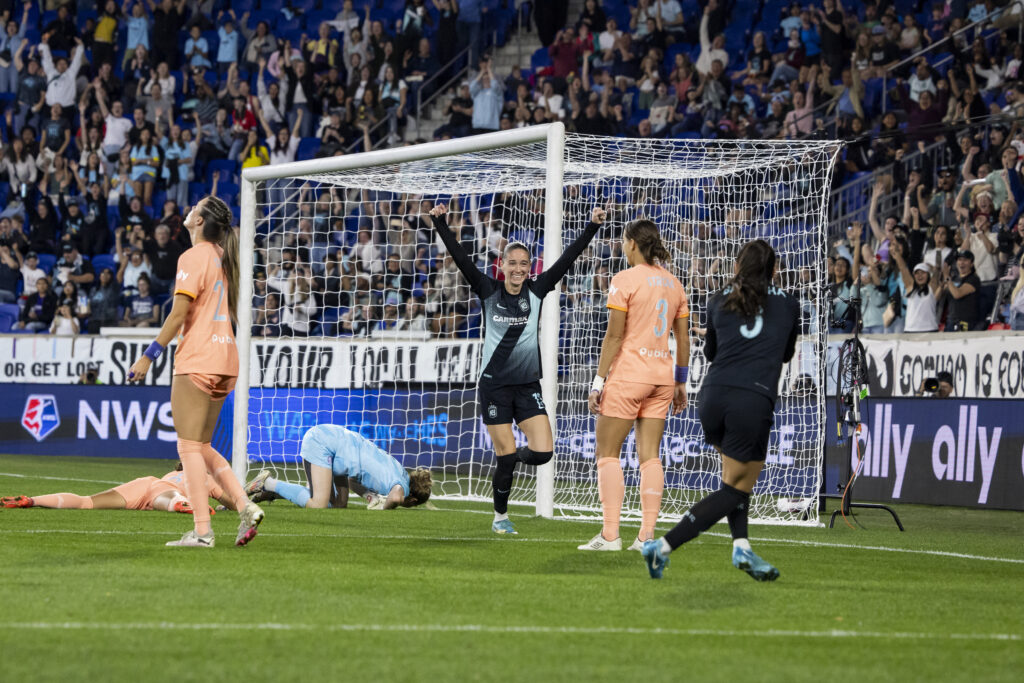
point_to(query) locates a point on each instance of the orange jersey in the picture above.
(652, 299)
(140, 493)
(177, 480)
(207, 344)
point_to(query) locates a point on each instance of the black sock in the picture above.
(528, 457)
(705, 513)
(738, 517)
(502, 482)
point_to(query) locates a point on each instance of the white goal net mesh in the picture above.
(361, 319)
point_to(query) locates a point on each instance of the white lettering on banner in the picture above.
(129, 421)
(958, 463)
(86, 417)
(874, 443)
(133, 418)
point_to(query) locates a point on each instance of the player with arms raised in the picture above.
(752, 329)
(645, 301)
(332, 454)
(509, 386)
(205, 365)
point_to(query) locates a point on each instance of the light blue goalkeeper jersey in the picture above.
(347, 453)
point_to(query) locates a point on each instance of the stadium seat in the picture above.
(228, 192)
(540, 59)
(271, 5)
(262, 15)
(46, 262)
(228, 168)
(101, 261)
(308, 148)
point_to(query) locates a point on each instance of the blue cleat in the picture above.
(753, 565)
(503, 527)
(656, 561)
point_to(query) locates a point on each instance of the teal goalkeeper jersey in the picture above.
(353, 455)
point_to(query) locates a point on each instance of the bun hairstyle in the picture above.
(217, 229)
(648, 240)
(748, 289)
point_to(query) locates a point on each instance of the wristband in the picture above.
(598, 384)
(682, 374)
(154, 351)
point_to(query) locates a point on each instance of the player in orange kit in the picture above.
(645, 302)
(166, 494)
(205, 364)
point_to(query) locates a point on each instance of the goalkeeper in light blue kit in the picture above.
(332, 454)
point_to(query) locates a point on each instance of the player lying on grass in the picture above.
(509, 386)
(166, 494)
(329, 452)
(752, 328)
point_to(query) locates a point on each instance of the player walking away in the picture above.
(509, 386)
(645, 301)
(332, 455)
(751, 331)
(166, 494)
(205, 364)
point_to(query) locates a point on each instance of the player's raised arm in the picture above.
(462, 259)
(547, 280)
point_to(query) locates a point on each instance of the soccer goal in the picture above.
(360, 318)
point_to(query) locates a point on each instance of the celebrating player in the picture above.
(751, 331)
(644, 302)
(509, 386)
(166, 494)
(330, 452)
(205, 365)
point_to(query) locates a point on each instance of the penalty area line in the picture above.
(40, 476)
(504, 630)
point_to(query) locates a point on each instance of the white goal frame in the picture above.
(553, 134)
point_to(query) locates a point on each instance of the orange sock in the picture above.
(63, 501)
(191, 454)
(612, 487)
(652, 484)
(222, 473)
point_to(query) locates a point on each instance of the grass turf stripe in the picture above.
(40, 476)
(499, 629)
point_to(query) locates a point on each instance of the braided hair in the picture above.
(217, 229)
(648, 240)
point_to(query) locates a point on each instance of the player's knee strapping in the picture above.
(528, 457)
(194, 467)
(705, 513)
(504, 473)
(222, 473)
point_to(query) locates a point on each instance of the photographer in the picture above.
(940, 386)
(90, 377)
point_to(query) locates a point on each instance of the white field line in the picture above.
(39, 476)
(508, 539)
(814, 544)
(487, 629)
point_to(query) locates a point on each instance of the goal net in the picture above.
(360, 318)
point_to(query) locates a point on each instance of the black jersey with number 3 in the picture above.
(748, 353)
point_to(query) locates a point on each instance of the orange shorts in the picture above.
(139, 493)
(632, 400)
(217, 386)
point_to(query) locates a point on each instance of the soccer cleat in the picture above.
(255, 486)
(503, 527)
(16, 502)
(193, 540)
(599, 543)
(747, 561)
(656, 561)
(638, 545)
(251, 516)
(185, 508)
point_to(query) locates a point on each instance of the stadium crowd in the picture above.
(116, 117)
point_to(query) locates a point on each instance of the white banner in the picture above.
(293, 363)
(982, 366)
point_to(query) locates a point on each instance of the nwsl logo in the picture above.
(40, 416)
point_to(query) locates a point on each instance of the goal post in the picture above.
(359, 317)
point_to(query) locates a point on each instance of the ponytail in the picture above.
(648, 240)
(748, 289)
(217, 229)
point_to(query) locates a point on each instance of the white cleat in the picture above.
(251, 516)
(599, 543)
(255, 486)
(193, 540)
(638, 545)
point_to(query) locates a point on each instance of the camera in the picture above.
(931, 384)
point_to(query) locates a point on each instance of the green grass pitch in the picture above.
(432, 595)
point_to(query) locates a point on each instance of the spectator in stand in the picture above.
(31, 88)
(460, 115)
(788, 65)
(146, 158)
(486, 91)
(72, 267)
(132, 265)
(800, 120)
(180, 152)
(961, 287)
(39, 308)
(43, 227)
(61, 76)
(30, 273)
(168, 19)
(10, 272)
(829, 22)
(142, 309)
(922, 293)
(710, 51)
(10, 45)
(884, 53)
(565, 53)
(162, 254)
(103, 303)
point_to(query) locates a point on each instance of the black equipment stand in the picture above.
(851, 390)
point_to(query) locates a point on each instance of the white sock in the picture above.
(742, 543)
(665, 547)
(270, 484)
(500, 516)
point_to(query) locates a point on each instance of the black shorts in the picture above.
(501, 404)
(736, 421)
